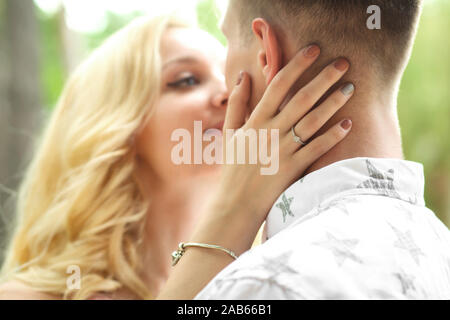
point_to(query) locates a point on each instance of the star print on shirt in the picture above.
(406, 242)
(341, 249)
(285, 206)
(280, 265)
(340, 204)
(406, 281)
(379, 181)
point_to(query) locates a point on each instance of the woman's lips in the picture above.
(214, 130)
(218, 126)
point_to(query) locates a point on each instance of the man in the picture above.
(356, 226)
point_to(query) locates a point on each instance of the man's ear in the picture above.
(270, 55)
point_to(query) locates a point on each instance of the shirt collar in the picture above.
(394, 178)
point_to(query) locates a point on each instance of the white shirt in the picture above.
(357, 229)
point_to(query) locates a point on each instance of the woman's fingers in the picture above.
(238, 103)
(281, 84)
(308, 154)
(313, 121)
(308, 96)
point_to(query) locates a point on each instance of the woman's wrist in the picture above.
(228, 225)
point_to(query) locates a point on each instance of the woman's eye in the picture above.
(184, 83)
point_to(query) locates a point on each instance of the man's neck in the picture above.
(375, 132)
(373, 110)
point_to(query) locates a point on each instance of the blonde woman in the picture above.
(103, 195)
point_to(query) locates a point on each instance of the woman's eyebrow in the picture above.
(187, 59)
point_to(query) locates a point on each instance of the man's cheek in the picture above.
(258, 89)
(231, 75)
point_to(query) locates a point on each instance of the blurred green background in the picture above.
(42, 41)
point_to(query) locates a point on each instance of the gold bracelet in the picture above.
(176, 255)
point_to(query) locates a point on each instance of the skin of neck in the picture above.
(174, 209)
(375, 132)
(373, 110)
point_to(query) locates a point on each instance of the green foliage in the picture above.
(53, 73)
(424, 105)
(208, 19)
(52, 65)
(115, 22)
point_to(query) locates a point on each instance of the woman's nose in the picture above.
(220, 99)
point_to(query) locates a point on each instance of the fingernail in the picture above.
(341, 64)
(348, 89)
(241, 76)
(312, 51)
(346, 124)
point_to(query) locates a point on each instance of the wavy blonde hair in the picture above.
(80, 203)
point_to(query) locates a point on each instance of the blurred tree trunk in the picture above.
(4, 106)
(19, 95)
(4, 103)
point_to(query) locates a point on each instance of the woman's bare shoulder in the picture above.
(15, 290)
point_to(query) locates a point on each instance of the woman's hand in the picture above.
(246, 188)
(245, 195)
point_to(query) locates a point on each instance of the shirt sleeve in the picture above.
(247, 289)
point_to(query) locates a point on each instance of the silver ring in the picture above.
(297, 139)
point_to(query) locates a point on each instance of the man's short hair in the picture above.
(340, 27)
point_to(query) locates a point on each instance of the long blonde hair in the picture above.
(80, 204)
